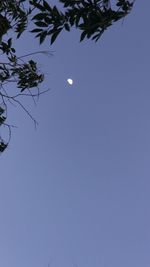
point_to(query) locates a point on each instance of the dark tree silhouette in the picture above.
(91, 17)
(15, 72)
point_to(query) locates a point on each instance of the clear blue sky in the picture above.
(76, 192)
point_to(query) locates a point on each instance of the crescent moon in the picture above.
(70, 81)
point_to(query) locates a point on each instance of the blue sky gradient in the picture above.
(76, 191)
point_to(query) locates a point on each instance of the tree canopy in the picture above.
(91, 17)
(39, 18)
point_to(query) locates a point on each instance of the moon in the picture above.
(70, 81)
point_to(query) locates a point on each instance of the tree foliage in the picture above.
(15, 71)
(91, 17)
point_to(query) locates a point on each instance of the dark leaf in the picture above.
(13, 50)
(2, 146)
(54, 36)
(96, 37)
(35, 4)
(9, 42)
(39, 16)
(41, 24)
(36, 30)
(47, 6)
(84, 33)
(67, 28)
(43, 36)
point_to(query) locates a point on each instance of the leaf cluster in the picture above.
(49, 21)
(89, 16)
(27, 75)
(24, 74)
(14, 70)
(13, 15)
